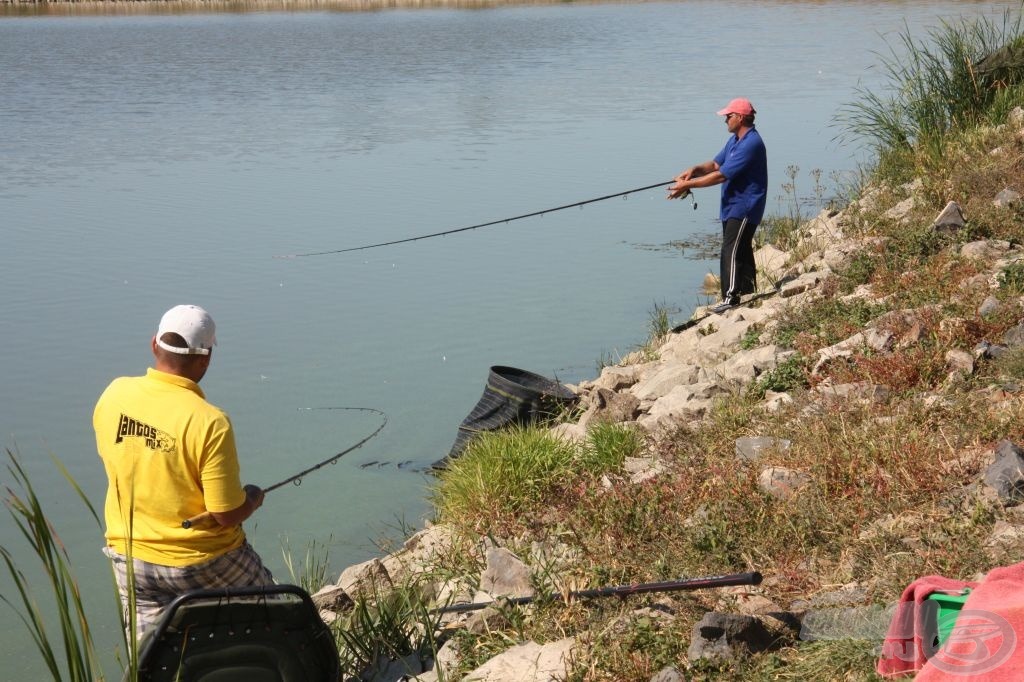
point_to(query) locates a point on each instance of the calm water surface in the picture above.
(149, 161)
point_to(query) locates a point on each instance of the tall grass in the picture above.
(311, 574)
(932, 87)
(503, 473)
(74, 654)
(388, 625)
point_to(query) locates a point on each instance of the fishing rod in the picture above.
(297, 478)
(751, 578)
(493, 222)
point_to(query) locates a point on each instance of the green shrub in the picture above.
(790, 374)
(1011, 279)
(859, 270)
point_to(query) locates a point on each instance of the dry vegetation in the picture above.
(894, 492)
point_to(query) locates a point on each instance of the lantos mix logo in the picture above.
(155, 439)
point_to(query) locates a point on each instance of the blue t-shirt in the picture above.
(744, 163)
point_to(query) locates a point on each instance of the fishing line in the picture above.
(488, 224)
(296, 479)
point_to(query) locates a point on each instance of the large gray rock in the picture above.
(505, 575)
(782, 483)
(617, 378)
(1014, 337)
(857, 392)
(984, 249)
(669, 674)
(367, 577)
(959, 362)
(659, 383)
(419, 552)
(951, 219)
(750, 448)
(527, 662)
(448, 657)
(746, 365)
(902, 210)
(771, 262)
(727, 636)
(1006, 198)
(682, 405)
(870, 339)
(332, 598)
(1006, 474)
(642, 469)
(801, 284)
(989, 306)
(612, 406)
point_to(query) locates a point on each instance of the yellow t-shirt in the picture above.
(169, 455)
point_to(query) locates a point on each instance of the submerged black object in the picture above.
(512, 396)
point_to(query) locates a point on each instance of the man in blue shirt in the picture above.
(742, 170)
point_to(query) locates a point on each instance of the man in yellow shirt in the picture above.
(169, 455)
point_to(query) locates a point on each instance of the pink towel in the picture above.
(987, 642)
(905, 649)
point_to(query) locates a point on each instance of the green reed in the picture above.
(932, 87)
(79, 655)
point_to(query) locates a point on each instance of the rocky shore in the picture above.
(708, 359)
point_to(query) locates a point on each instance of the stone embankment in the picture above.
(709, 357)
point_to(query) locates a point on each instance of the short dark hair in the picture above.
(176, 360)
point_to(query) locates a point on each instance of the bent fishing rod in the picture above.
(297, 478)
(493, 222)
(751, 578)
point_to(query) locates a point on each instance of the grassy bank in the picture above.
(892, 496)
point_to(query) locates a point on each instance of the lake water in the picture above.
(147, 161)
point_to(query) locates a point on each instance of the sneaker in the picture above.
(724, 306)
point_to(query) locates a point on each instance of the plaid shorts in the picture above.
(157, 586)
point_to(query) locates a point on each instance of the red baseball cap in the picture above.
(740, 105)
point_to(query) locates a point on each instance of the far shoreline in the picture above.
(26, 8)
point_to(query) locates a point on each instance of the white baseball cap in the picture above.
(193, 324)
